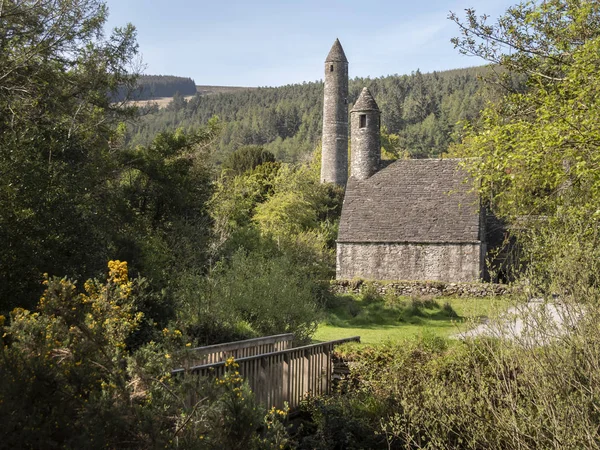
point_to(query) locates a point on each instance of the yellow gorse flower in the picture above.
(117, 272)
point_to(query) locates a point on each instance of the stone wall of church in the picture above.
(410, 261)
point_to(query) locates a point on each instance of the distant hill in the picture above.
(160, 89)
(420, 112)
(158, 86)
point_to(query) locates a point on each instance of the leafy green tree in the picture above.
(284, 214)
(58, 137)
(537, 152)
(300, 203)
(247, 158)
(390, 145)
(235, 199)
(165, 227)
(535, 38)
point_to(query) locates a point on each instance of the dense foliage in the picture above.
(430, 394)
(57, 126)
(70, 379)
(71, 195)
(537, 152)
(419, 111)
(162, 190)
(274, 231)
(245, 159)
(239, 253)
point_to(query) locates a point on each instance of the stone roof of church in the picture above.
(365, 102)
(411, 200)
(336, 53)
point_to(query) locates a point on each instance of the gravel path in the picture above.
(536, 322)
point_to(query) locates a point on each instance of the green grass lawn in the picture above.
(376, 319)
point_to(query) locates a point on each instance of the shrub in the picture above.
(343, 422)
(482, 393)
(69, 379)
(268, 295)
(247, 158)
(235, 421)
(65, 381)
(369, 293)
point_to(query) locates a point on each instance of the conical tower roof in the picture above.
(365, 102)
(336, 53)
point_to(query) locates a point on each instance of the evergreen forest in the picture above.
(148, 87)
(422, 114)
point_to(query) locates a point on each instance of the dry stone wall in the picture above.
(420, 288)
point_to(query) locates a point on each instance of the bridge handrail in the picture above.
(219, 352)
(215, 365)
(243, 344)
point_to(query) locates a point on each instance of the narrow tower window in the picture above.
(363, 121)
(331, 68)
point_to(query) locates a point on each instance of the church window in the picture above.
(331, 68)
(363, 121)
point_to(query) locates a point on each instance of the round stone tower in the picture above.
(334, 155)
(364, 126)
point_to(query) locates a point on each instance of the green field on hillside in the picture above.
(376, 319)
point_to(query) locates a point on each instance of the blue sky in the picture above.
(277, 42)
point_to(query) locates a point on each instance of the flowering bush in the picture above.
(70, 379)
(64, 366)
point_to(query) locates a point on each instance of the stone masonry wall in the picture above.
(421, 288)
(409, 261)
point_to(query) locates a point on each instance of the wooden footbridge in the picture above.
(276, 372)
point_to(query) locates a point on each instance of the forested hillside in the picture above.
(156, 86)
(419, 111)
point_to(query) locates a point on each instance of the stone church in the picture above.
(413, 219)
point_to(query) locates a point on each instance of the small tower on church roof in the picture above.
(366, 145)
